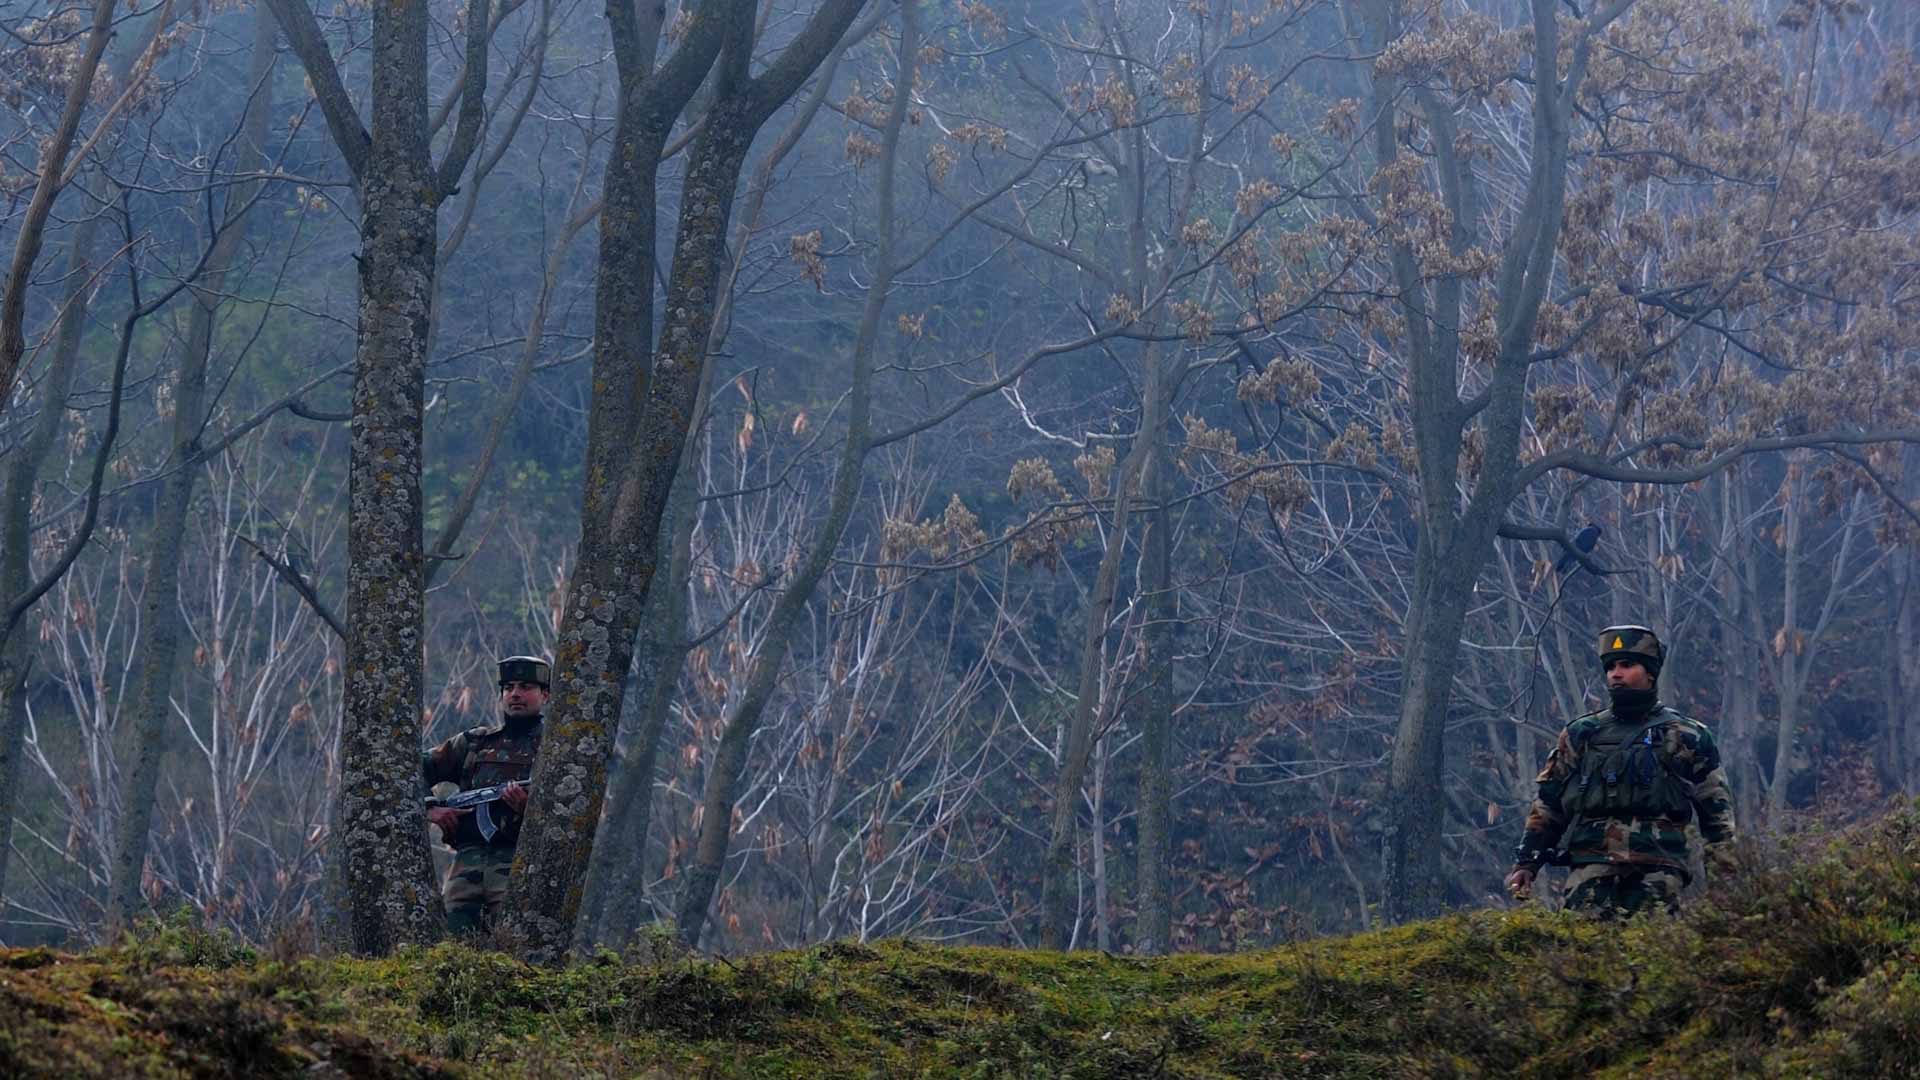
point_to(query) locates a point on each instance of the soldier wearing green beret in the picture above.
(483, 839)
(1622, 785)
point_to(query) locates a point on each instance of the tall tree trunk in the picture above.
(1455, 542)
(638, 426)
(615, 890)
(1133, 157)
(1076, 747)
(1906, 639)
(730, 757)
(1153, 923)
(389, 871)
(1097, 834)
(1905, 729)
(16, 504)
(1675, 673)
(1411, 886)
(1786, 649)
(1889, 751)
(153, 679)
(659, 655)
(1739, 719)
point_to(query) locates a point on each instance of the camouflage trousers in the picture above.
(1604, 890)
(476, 888)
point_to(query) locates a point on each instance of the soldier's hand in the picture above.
(1520, 884)
(515, 796)
(447, 818)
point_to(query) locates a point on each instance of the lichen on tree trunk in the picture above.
(388, 871)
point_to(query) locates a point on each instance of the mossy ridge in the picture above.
(1805, 966)
(106, 1014)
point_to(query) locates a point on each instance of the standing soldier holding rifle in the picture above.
(1626, 781)
(491, 765)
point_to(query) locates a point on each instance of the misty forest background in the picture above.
(1131, 464)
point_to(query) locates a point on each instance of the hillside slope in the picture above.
(1808, 966)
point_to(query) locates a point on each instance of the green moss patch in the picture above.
(1806, 965)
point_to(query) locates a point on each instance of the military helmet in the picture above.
(526, 669)
(1632, 642)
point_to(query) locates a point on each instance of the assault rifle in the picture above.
(480, 801)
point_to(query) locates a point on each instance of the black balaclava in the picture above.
(1631, 704)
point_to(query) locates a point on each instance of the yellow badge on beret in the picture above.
(1618, 644)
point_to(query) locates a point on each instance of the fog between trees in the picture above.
(1086, 475)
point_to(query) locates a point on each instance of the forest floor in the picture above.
(1808, 964)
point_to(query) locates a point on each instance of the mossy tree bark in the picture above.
(388, 869)
(154, 675)
(640, 415)
(660, 654)
(388, 873)
(615, 895)
(623, 313)
(595, 649)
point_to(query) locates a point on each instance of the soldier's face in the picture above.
(522, 698)
(1624, 674)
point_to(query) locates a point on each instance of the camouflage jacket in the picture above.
(481, 757)
(1685, 747)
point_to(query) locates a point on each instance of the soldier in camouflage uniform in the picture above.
(1626, 781)
(480, 757)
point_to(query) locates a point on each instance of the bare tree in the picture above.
(159, 656)
(1500, 319)
(55, 175)
(23, 466)
(629, 478)
(387, 869)
(723, 775)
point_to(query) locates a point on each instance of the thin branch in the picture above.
(299, 583)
